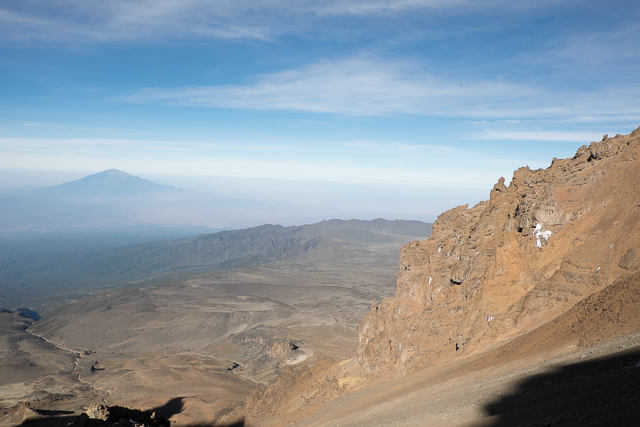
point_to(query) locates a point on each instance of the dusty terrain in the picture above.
(154, 344)
(39, 373)
(211, 339)
(593, 386)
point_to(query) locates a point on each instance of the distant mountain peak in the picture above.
(108, 177)
(115, 173)
(109, 183)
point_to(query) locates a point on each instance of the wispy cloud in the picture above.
(601, 46)
(80, 21)
(352, 87)
(130, 147)
(378, 6)
(560, 136)
(365, 86)
(121, 20)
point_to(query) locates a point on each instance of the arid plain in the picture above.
(209, 339)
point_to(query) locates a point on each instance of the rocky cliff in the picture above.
(509, 265)
(547, 265)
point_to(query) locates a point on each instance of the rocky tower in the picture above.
(513, 263)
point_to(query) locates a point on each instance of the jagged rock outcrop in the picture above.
(99, 415)
(96, 415)
(506, 266)
(264, 350)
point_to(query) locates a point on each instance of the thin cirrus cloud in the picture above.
(131, 147)
(560, 136)
(153, 20)
(350, 87)
(603, 46)
(379, 88)
(377, 7)
(118, 21)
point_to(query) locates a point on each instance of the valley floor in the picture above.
(599, 385)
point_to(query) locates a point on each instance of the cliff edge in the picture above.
(545, 267)
(509, 265)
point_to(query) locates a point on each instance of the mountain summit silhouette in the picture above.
(110, 183)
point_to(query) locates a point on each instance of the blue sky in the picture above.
(366, 108)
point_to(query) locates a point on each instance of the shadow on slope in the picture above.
(171, 408)
(70, 420)
(602, 391)
(233, 424)
(114, 413)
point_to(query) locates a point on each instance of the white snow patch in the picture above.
(539, 233)
(538, 228)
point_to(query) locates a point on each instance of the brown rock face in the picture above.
(296, 389)
(513, 263)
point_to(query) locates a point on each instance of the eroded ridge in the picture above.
(506, 266)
